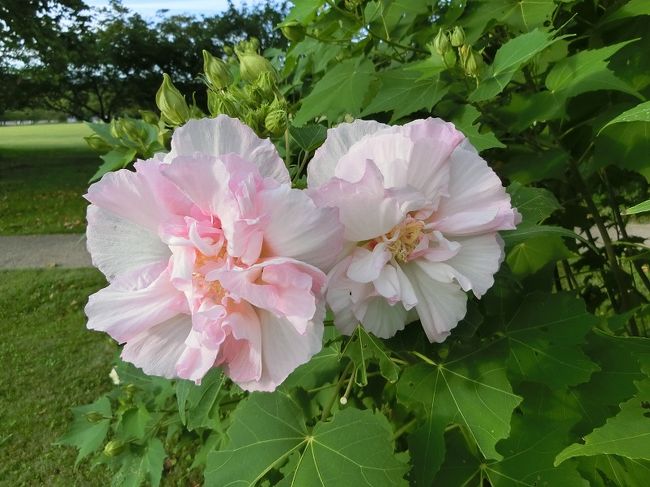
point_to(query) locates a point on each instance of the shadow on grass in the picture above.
(50, 363)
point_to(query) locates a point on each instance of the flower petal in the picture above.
(284, 348)
(366, 265)
(440, 305)
(133, 303)
(382, 319)
(157, 350)
(296, 228)
(117, 245)
(144, 197)
(225, 135)
(478, 260)
(338, 142)
(477, 202)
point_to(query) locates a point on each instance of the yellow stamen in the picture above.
(406, 237)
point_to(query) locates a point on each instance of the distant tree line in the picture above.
(64, 56)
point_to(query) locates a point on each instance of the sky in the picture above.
(148, 8)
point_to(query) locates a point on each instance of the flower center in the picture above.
(202, 264)
(404, 238)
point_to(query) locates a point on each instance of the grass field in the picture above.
(44, 171)
(50, 363)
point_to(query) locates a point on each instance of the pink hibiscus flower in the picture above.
(421, 211)
(212, 259)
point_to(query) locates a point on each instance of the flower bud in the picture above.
(441, 43)
(293, 30)
(95, 417)
(463, 53)
(96, 143)
(457, 36)
(276, 122)
(216, 71)
(149, 117)
(171, 103)
(471, 65)
(222, 103)
(114, 448)
(252, 65)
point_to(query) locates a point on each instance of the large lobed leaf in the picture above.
(355, 448)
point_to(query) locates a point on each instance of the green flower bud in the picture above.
(463, 52)
(149, 117)
(457, 36)
(252, 65)
(293, 30)
(352, 4)
(130, 132)
(470, 65)
(216, 71)
(222, 103)
(114, 448)
(276, 122)
(450, 58)
(441, 43)
(96, 143)
(95, 417)
(171, 103)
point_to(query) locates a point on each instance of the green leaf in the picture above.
(362, 348)
(142, 465)
(609, 470)
(528, 166)
(355, 448)
(640, 208)
(341, 91)
(534, 204)
(524, 15)
(530, 450)
(545, 336)
(533, 254)
(89, 427)
(587, 71)
(464, 120)
(309, 137)
(403, 92)
(304, 10)
(625, 145)
(320, 369)
(630, 9)
(640, 113)
(197, 404)
(627, 434)
(116, 159)
(508, 60)
(470, 390)
(134, 423)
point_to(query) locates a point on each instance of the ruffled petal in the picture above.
(144, 197)
(285, 287)
(366, 265)
(225, 135)
(241, 354)
(393, 285)
(338, 142)
(440, 305)
(296, 228)
(117, 245)
(133, 303)
(284, 348)
(477, 202)
(157, 350)
(478, 260)
(383, 319)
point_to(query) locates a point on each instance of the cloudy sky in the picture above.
(148, 8)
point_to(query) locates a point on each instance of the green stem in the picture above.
(328, 407)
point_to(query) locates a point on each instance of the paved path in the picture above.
(35, 251)
(43, 251)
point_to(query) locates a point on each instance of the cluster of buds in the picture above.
(256, 100)
(444, 44)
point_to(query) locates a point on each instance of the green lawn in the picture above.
(44, 171)
(50, 363)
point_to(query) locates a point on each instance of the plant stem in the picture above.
(328, 407)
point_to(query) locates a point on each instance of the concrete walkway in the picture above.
(39, 251)
(69, 251)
